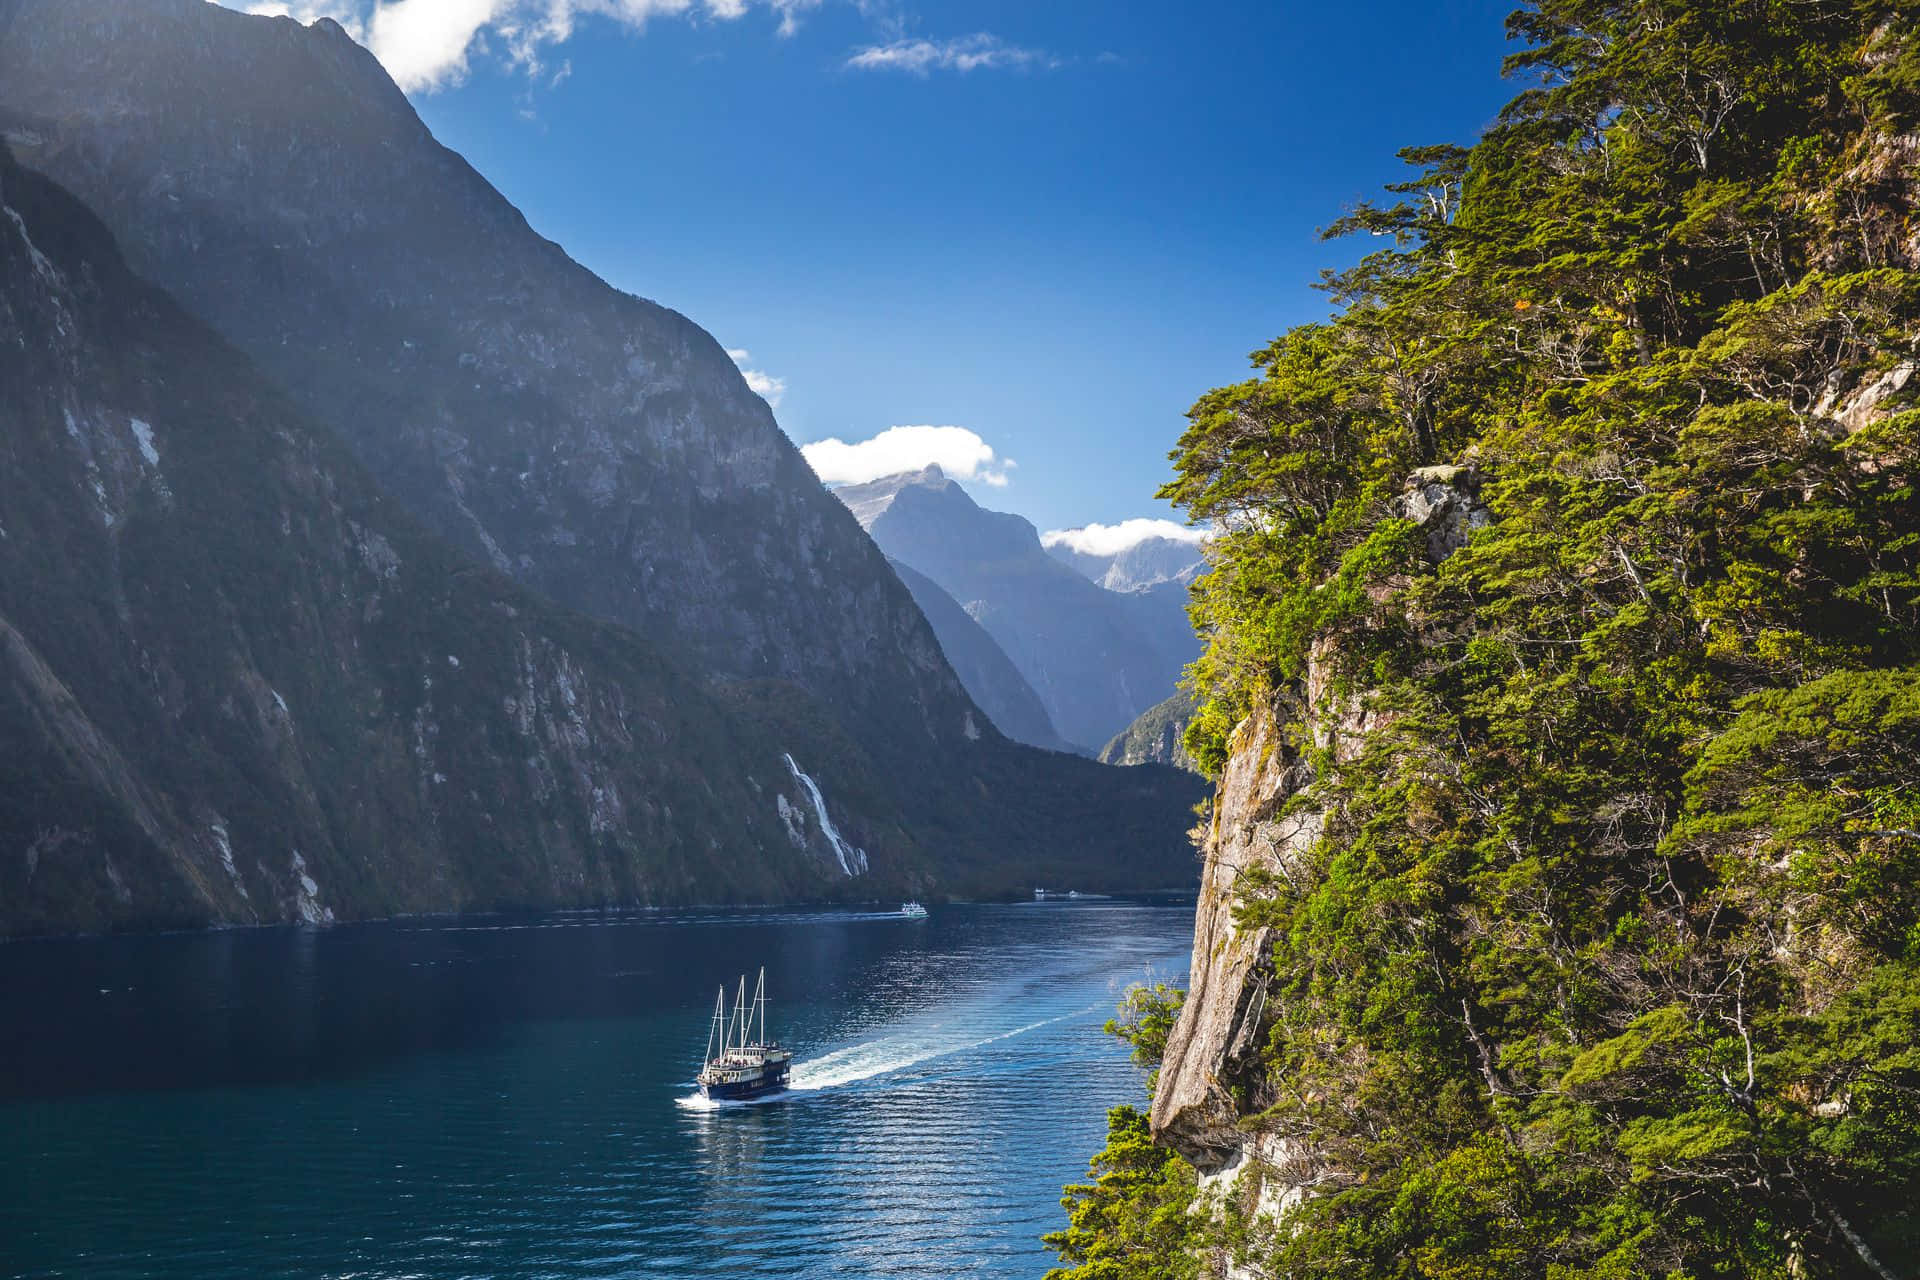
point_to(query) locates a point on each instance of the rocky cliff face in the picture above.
(1262, 823)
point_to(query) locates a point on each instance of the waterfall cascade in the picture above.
(852, 861)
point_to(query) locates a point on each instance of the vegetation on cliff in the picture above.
(1608, 961)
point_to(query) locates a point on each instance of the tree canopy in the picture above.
(1608, 962)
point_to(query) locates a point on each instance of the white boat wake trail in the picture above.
(899, 1051)
(884, 1056)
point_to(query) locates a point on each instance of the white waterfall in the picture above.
(852, 861)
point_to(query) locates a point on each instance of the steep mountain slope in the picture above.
(983, 667)
(237, 684)
(1156, 737)
(1077, 644)
(600, 449)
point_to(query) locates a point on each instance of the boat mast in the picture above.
(717, 1031)
(760, 1003)
(741, 1016)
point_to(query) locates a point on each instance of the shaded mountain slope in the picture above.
(983, 667)
(1079, 645)
(599, 448)
(239, 684)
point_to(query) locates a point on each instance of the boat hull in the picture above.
(739, 1090)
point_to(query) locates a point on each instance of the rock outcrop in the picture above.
(1213, 1079)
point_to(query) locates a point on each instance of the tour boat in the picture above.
(746, 1065)
(913, 911)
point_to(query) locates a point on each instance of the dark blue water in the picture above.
(512, 1097)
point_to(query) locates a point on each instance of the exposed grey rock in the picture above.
(1147, 563)
(1446, 502)
(1869, 402)
(1213, 1049)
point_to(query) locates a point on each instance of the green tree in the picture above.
(1605, 964)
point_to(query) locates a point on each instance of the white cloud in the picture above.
(764, 385)
(1112, 539)
(348, 13)
(982, 52)
(428, 44)
(957, 451)
(423, 43)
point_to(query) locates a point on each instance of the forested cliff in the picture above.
(1561, 915)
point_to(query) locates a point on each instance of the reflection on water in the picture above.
(514, 1096)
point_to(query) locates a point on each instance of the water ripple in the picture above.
(482, 1098)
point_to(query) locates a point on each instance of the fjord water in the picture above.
(513, 1097)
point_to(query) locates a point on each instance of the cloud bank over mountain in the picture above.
(960, 453)
(760, 382)
(1112, 539)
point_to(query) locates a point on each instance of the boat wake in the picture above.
(898, 1052)
(888, 1055)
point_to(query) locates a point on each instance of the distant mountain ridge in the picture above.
(1146, 563)
(1096, 658)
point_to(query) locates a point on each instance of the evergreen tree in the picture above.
(1608, 962)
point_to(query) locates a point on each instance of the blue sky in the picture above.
(1053, 223)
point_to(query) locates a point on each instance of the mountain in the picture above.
(1152, 580)
(1159, 613)
(599, 449)
(1155, 738)
(1146, 563)
(995, 684)
(1078, 645)
(239, 684)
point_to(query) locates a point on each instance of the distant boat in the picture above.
(913, 911)
(746, 1066)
